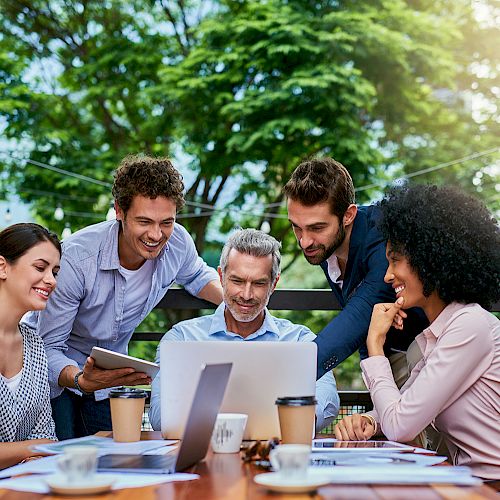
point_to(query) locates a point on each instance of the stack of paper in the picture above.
(402, 474)
(106, 446)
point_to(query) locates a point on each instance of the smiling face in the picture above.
(246, 286)
(403, 279)
(30, 279)
(319, 232)
(145, 229)
(406, 283)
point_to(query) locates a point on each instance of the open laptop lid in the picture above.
(198, 431)
(261, 372)
(203, 414)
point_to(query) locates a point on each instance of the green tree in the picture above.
(244, 90)
(75, 96)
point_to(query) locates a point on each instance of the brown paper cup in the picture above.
(127, 407)
(296, 416)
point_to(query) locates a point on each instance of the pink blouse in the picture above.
(456, 386)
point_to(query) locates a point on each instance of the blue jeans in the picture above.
(78, 416)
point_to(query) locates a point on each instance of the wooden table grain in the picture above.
(226, 477)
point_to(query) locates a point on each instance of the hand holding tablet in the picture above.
(109, 360)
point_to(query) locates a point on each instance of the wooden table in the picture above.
(226, 477)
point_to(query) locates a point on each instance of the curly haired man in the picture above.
(112, 275)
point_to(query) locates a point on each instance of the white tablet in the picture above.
(331, 444)
(104, 358)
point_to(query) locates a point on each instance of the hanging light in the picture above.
(111, 215)
(58, 213)
(66, 231)
(265, 227)
(8, 215)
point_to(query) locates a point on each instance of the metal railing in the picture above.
(281, 299)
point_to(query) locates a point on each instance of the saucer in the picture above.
(99, 483)
(275, 482)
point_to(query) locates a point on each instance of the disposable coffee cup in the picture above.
(296, 415)
(127, 407)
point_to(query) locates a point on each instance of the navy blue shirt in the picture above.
(363, 287)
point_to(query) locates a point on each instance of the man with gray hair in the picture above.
(249, 271)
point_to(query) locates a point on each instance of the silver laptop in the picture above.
(262, 371)
(199, 425)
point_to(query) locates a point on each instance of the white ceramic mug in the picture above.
(228, 432)
(291, 460)
(78, 463)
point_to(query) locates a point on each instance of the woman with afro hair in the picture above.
(443, 249)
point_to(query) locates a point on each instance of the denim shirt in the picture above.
(213, 327)
(86, 308)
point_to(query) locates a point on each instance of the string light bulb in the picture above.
(265, 227)
(66, 232)
(59, 213)
(111, 214)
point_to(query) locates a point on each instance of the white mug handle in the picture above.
(273, 458)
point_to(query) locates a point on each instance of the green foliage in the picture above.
(243, 91)
(247, 90)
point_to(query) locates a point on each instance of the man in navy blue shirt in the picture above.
(344, 240)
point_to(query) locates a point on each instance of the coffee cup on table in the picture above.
(78, 463)
(127, 407)
(297, 418)
(228, 432)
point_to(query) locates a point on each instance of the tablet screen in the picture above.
(334, 445)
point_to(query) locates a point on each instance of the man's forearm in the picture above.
(67, 376)
(212, 292)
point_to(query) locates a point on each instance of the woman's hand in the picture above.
(383, 317)
(355, 427)
(20, 451)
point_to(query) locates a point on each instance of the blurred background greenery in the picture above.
(238, 93)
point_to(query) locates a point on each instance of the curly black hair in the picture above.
(450, 239)
(149, 177)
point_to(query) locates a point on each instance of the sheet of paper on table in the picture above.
(47, 465)
(374, 458)
(400, 474)
(38, 484)
(106, 445)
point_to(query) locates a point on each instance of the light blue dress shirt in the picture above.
(87, 307)
(213, 327)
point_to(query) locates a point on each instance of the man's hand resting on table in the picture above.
(355, 427)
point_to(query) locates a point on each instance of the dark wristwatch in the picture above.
(77, 385)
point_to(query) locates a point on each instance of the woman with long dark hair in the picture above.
(443, 248)
(29, 261)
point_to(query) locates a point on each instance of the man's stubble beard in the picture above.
(327, 252)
